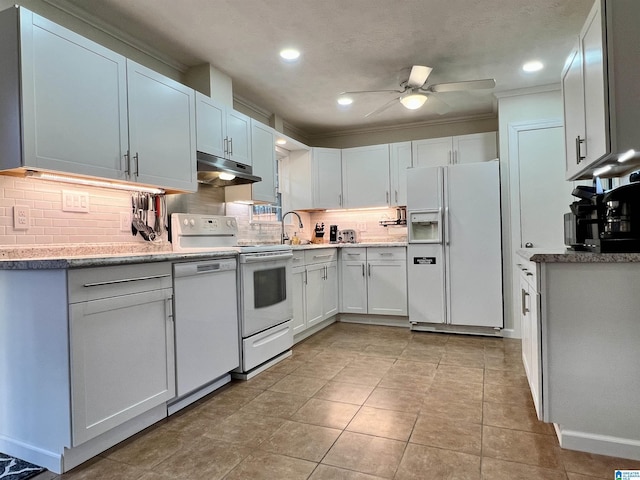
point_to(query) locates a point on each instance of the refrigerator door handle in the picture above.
(446, 226)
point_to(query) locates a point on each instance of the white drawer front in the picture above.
(265, 345)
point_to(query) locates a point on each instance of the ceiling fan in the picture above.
(414, 91)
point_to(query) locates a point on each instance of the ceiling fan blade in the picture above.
(381, 109)
(371, 91)
(458, 86)
(418, 76)
(438, 105)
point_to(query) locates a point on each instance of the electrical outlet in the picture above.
(21, 217)
(125, 221)
(75, 201)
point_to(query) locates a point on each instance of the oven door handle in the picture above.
(265, 258)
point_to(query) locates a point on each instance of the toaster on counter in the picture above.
(348, 236)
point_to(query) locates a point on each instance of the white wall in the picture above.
(524, 106)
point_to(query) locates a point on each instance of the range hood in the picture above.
(212, 170)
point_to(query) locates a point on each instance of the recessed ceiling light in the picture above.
(533, 66)
(281, 141)
(290, 54)
(345, 100)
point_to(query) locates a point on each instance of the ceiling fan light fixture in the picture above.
(413, 101)
(345, 101)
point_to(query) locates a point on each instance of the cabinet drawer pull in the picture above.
(125, 280)
(323, 256)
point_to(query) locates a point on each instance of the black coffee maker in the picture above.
(605, 221)
(620, 220)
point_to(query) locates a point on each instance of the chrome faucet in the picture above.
(283, 236)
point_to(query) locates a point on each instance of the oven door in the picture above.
(265, 290)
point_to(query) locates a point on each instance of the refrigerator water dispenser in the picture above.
(425, 227)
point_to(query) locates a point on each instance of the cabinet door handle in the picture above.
(225, 145)
(363, 269)
(127, 163)
(306, 280)
(455, 157)
(525, 309)
(396, 196)
(450, 157)
(170, 308)
(579, 142)
(387, 194)
(369, 269)
(135, 157)
(230, 146)
(340, 199)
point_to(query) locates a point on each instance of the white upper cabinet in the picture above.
(573, 106)
(239, 137)
(436, 152)
(211, 126)
(326, 166)
(223, 132)
(431, 152)
(365, 176)
(263, 151)
(399, 161)
(66, 126)
(162, 129)
(599, 86)
(72, 106)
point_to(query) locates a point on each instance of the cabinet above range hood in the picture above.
(220, 172)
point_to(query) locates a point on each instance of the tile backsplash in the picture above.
(49, 224)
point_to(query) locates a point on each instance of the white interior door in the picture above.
(544, 194)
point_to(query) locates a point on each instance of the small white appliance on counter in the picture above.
(264, 297)
(454, 253)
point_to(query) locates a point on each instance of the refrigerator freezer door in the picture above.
(425, 280)
(474, 249)
(424, 188)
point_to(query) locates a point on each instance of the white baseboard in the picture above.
(598, 444)
(43, 458)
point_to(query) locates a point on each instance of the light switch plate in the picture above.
(21, 217)
(75, 201)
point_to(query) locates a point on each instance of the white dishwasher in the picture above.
(206, 327)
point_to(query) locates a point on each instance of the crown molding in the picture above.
(404, 126)
(116, 33)
(552, 87)
(249, 105)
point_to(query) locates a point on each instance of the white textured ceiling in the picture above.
(356, 45)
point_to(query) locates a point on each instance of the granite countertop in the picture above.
(542, 255)
(348, 245)
(79, 256)
(51, 257)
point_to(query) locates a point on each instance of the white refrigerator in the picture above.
(454, 256)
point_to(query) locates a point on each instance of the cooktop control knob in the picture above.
(192, 222)
(185, 222)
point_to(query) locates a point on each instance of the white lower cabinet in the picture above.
(374, 280)
(531, 333)
(315, 287)
(121, 345)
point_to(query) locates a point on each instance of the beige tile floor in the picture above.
(358, 402)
